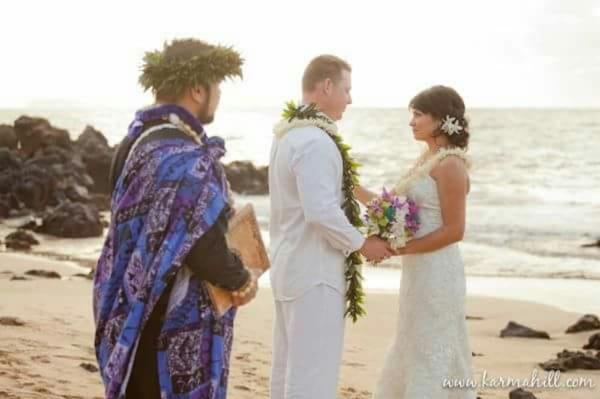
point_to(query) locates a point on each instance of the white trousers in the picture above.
(308, 341)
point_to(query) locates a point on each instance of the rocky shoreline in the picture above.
(63, 183)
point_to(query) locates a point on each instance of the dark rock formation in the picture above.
(42, 273)
(591, 245)
(568, 360)
(587, 322)
(36, 133)
(520, 393)
(97, 156)
(517, 330)
(8, 137)
(100, 201)
(10, 166)
(72, 220)
(20, 240)
(593, 342)
(18, 278)
(245, 178)
(48, 169)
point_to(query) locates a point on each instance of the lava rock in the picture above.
(30, 225)
(36, 133)
(72, 220)
(587, 322)
(19, 278)
(592, 245)
(97, 156)
(593, 342)
(9, 160)
(22, 235)
(8, 137)
(245, 178)
(5, 205)
(43, 273)
(34, 187)
(520, 393)
(568, 360)
(20, 240)
(517, 330)
(100, 201)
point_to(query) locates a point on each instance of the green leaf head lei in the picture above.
(185, 63)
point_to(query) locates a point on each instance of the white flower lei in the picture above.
(424, 164)
(284, 126)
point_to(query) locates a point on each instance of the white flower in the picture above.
(399, 242)
(398, 229)
(402, 212)
(451, 125)
(174, 119)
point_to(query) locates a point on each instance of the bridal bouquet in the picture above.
(392, 218)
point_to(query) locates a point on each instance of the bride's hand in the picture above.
(400, 251)
(363, 195)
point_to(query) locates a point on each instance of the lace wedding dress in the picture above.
(431, 342)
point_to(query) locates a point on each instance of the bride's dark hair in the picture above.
(442, 101)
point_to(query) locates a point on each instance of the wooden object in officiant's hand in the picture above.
(243, 238)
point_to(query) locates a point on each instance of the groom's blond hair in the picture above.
(323, 67)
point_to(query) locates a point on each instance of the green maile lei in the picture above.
(309, 115)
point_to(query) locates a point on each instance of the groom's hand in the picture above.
(375, 249)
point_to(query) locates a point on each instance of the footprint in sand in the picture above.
(41, 358)
(351, 393)
(354, 364)
(8, 360)
(474, 318)
(86, 348)
(81, 358)
(245, 357)
(89, 367)
(257, 343)
(42, 390)
(248, 373)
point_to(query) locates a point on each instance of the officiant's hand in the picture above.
(248, 292)
(376, 250)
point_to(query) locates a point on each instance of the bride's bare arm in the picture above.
(363, 195)
(452, 185)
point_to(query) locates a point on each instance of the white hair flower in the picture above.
(451, 125)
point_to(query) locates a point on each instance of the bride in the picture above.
(431, 348)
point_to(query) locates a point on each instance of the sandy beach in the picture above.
(45, 357)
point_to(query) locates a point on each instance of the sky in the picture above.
(496, 53)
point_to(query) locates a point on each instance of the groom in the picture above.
(311, 237)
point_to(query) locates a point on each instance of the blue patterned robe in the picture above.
(170, 192)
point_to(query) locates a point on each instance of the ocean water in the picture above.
(535, 182)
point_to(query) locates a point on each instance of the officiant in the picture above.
(158, 334)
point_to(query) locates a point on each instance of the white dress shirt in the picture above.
(310, 234)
